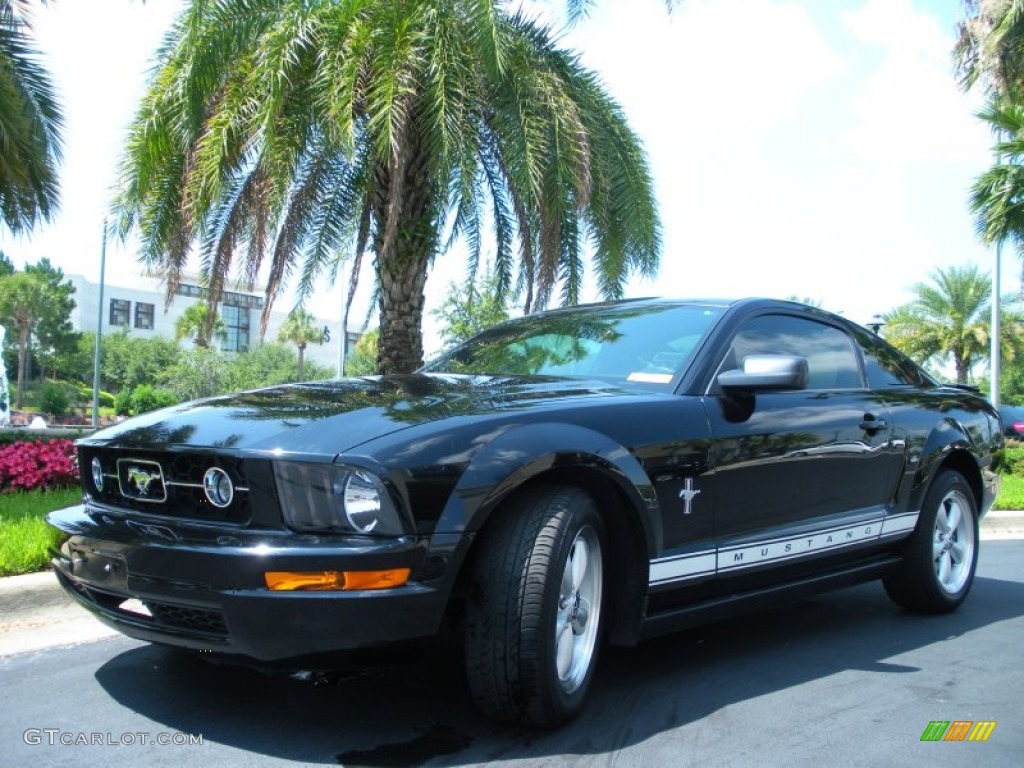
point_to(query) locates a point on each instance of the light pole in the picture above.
(99, 335)
(996, 329)
(876, 323)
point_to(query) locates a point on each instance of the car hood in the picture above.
(329, 417)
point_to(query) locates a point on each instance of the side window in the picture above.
(887, 367)
(831, 356)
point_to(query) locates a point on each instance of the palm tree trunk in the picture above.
(962, 369)
(302, 366)
(404, 248)
(19, 394)
(402, 283)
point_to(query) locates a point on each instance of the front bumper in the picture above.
(205, 589)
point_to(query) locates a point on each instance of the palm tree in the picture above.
(578, 9)
(949, 321)
(300, 329)
(24, 300)
(292, 131)
(30, 125)
(997, 196)
(195, 323)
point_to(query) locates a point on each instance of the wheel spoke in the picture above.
(953, 518)
(959, 552)
(580, 560)
(945, 565)
(942, 519)
(564, 652)
(938, 547)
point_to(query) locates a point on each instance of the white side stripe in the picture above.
(685, 567)
(899, 524)
(711, 561)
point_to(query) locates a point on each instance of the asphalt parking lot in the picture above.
(841, 679)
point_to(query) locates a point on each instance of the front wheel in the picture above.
(534, 617)
(942, 554)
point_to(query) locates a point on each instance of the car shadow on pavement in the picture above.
(421, 712)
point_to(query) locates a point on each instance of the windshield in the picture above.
(646, 345)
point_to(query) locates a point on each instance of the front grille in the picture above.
(188, 618)
(203, 621)
(175, 484)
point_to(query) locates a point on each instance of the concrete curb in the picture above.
(36, 614)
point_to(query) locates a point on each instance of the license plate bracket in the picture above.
(99, 569)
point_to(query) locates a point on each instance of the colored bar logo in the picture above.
(958, 730)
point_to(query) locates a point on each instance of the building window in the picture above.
(120, 310)
(237, 321)
(144, 316)
(227, 298)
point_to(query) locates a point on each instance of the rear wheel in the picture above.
(942, 554)
(534, 618)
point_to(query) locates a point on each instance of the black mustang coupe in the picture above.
(598, 474)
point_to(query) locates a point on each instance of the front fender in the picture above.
(525, 452)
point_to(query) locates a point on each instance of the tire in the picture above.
(942, 554)
(535, 612)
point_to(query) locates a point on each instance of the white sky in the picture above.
(807, 148)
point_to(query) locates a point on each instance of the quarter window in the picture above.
(887, 367)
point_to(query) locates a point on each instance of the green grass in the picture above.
(1011, 493)
(24, 535)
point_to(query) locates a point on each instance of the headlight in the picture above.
(330, 497)
(97, 474)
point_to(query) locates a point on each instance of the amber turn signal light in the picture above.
(320, 581)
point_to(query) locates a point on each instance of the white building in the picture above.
(139, 309)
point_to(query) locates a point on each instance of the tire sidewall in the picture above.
(944, 484)
(578, 517)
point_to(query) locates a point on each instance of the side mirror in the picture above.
(766, 372)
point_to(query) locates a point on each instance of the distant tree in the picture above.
(198, 372)
(127, 361)
(990, 47)
(948, 321)
(30, 124)
(363, 359)
(24, 300)
(990, 54)
(54, 334)
(6, 265)
(75, 364)
(193, 324)
(269, 364)
(470, 308)
(300, 328)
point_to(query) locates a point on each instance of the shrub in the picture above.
(54, 400)
(31, 465)
(1013, 461)
(123, 402)
(145, 398)
(85, 396)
